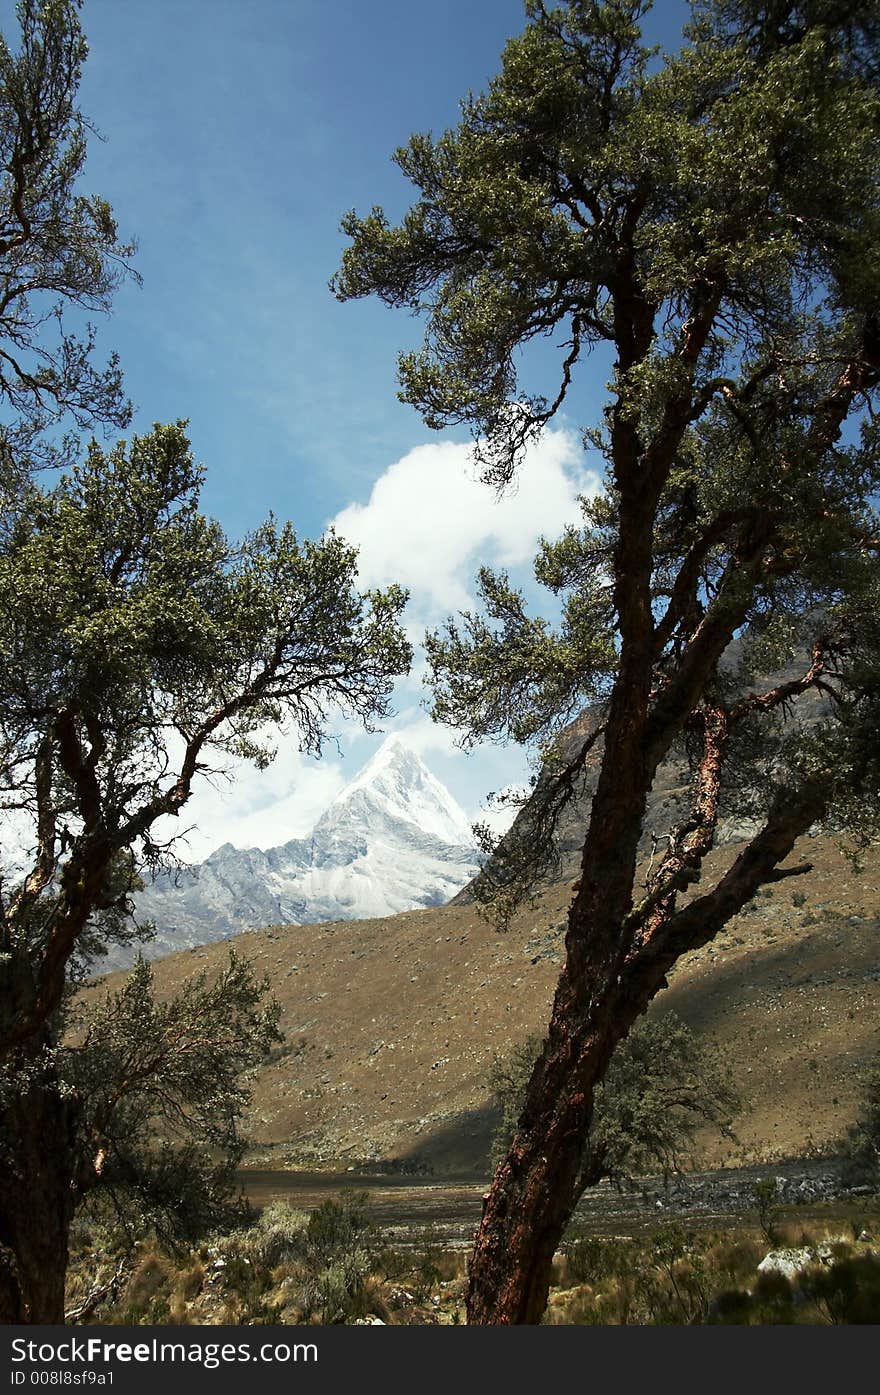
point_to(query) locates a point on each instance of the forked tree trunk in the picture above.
(600, 995)
(36, 1206)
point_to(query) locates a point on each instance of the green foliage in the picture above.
(592, 1259)
(279, 1230)
(338, 1226)
(766, 1194)
(713, 219)
(139, 649)
(338, 1247)
(706, 225)
(848, 1291)
(60, 251)
(861, 1147)
(661, 1086)
(123, 601)
(513, 671)
(137, 642)
(427, 1270)
(506, 1079)
(677, 1277)
(520, 209)
(162, 1093)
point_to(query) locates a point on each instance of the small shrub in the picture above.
(338, 1292)
(766, 1194)
(280, 1233)
(188, 1282)
(734, 1259)
(426, 1269)
(847, 1291)
(860, 1157)
(732, 1306)
(149, 1280)
(684, 1297)
(591, 1260)
(339, 1226)
(392, 1264)
(773, 1299)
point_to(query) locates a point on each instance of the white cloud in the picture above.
(414, 726)
(254, 808)
(430, 522)
(496, 814)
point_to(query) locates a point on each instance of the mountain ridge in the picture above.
(393, 839)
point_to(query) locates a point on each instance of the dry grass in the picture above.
(294, 1268)
(391, 1024)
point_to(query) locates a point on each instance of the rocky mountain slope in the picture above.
(668, 798)
(391, 1023)
(393, 839)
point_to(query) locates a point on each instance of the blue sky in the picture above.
(237, 132)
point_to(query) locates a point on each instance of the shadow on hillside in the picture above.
(707, 998)
(460, 1146)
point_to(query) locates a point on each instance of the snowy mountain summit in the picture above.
(393, 840)
(396, 786)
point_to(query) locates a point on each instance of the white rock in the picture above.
(793, 1262)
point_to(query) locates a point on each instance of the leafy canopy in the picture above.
(61, 257)
(138, 645)
(139, 648)
(711, 223)
(662, 1086)
(702, 229)
(161, 1088)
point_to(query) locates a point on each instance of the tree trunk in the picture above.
(537, 1187)
(36, 1204)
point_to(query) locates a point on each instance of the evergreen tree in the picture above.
(160, 1090)
(861, 1146)
(60, 252)
(661, 1086)
(706, 226)
(138, 646)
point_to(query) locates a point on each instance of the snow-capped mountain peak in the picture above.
(398, 784)
(393, 840)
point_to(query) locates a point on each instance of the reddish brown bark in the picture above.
(617, 959)
(536, 1188)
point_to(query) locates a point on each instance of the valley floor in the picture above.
(403, 1206)
(394, 1252)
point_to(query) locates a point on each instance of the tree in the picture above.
(706, 226)
(60, 252)
(861, 1146)
(159, 1096)
(136, 644)
(660, 1087)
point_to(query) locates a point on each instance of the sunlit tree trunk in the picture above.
(539, 1183)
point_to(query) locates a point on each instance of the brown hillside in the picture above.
(391, 1024)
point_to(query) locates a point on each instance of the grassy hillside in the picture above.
(390, 1024)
